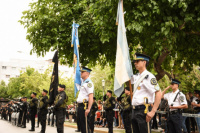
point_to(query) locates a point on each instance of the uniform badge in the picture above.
(139, 88)
(89, 85)
(157, 87)
(153, 81)
(181, 98)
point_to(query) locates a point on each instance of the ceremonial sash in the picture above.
(138, 82)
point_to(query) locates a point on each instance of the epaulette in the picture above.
(147, 77)
(87, 82)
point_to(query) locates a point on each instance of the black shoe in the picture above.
(37, 127)
(32, 130)
(77, 131)
(19, 125)
(52, 125)
(23, 126)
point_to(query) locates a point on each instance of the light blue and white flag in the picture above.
(76, 63)
(123, 66)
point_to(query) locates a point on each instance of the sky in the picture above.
(12, 33)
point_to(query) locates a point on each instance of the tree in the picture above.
(167, 30)
(3, 90)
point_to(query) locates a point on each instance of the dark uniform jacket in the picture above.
(126, 103)
(109, 103)
(61, 100)
(94, 108)
(33, 105)
(43, 104)
(24, 107)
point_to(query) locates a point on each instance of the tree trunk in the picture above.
(157, 65)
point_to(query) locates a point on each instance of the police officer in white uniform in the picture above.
(145, 86)
(86, 92)
(176, 101)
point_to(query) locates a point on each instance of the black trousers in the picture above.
(24, 119)
(32, 117)
(43, 118)
(193, 124)
(39, 117)
(20, 118)
(109, 119)
(139, 123)
(127, 121)
(155, 124)
(9, 114)
(174, 123)
(78, 123)
(92, 118)
(60, 118)
(187, 123)
(82, 120)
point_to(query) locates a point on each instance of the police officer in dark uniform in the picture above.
(176, 101)
(24, 112)
(20, 112)
(43, 110)
(60, 104)
(127, 110)
(109, 105)
(33, 110)
(93, 110)
(10, 110)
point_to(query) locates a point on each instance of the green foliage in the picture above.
(97, 75)
(3, 90)
(28, 82)
(158, 26)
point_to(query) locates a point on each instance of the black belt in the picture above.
(81, 104)
(175, 112)
(138, 107)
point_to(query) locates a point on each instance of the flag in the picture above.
(76, 64)
(53, 90)
(123, 66)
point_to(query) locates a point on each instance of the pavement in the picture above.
(6, 127)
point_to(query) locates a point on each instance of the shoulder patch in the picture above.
(89, 85)
(157, 87)
(153, 81)
(181, 98)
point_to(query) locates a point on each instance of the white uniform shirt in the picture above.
(85, 89)
(195, 101)
(180, 99)
(146, 88)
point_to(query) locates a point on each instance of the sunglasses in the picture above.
(136, 61)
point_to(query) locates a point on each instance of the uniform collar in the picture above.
(88, 79)
(143, 72)
(176, 91)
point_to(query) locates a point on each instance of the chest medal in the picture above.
(139, 88)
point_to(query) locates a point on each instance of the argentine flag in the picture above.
(123, 66)
(76, 64)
